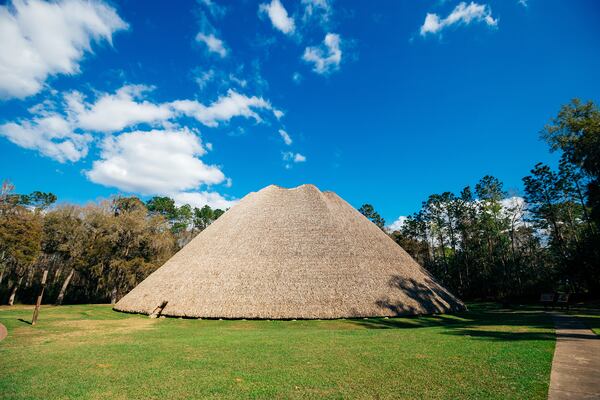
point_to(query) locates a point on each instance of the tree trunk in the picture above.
(38, 302)
(13, 292)
(113, 296)
(29, 280)
(441, 236)
(63, 289)
(573, 225)
(2, 266)
(57, 274)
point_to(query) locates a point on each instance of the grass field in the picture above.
(92, 352)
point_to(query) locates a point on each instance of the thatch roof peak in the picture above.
(304, 186)
(290, 253)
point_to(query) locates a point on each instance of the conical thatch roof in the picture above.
(290, 253)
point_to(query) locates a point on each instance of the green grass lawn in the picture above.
(92, 352)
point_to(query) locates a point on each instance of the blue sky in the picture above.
(382, 102)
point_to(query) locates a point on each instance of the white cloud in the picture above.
(113, 112)
(42, 38)
(127, 107)
(327, 57)
(397, 224)
(289, 156)
(523, 3)
(515, 209)
(213, 44)
(297, 78)
(224, 108)
(515, 202)
(245, 77)
(286, 137)
(50, 134)
(432, 24)
(299, 158)
(154, 162)
(215, 9)
(200, 199)
(462, 14)
(278, 16)
(204, 78)
(63, 133)
(238, 81)
(159, 162)
(219, 79)
(320, 9)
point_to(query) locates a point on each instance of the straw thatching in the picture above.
(290, 253)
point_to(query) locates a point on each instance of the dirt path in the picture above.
(576, 364)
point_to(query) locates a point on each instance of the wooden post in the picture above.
(38, 302)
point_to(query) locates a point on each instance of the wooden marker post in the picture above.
(38, 302)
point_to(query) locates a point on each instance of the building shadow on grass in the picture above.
(486, 321)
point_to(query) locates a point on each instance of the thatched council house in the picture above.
(290, 253)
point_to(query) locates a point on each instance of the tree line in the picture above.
(93, 253)
(483, 244)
